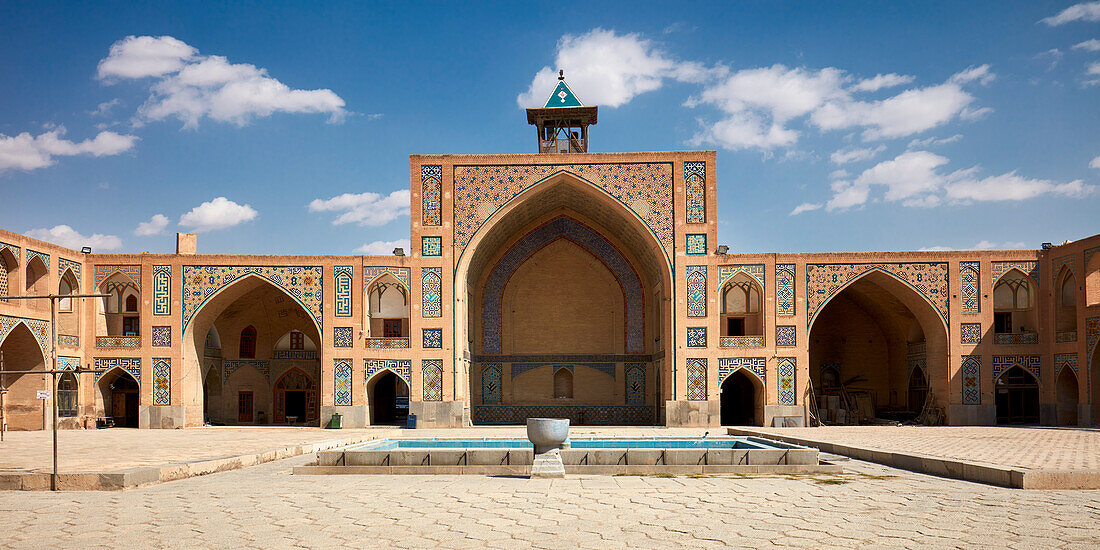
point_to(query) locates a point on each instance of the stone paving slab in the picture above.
(1021, 457)
(868, 506)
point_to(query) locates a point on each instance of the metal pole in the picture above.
(53, 383)
(3, 392)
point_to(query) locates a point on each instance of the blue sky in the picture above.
(286, 128)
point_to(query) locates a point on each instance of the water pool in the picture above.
(716, 443)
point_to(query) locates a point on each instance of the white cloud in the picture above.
(912, 175)
(1092, 45)
(1085, 11)
(935, 249)
(1093, 68)
(26, 152)
(881, 81)
(1010, 187)
(930, 141)
(608, 69)
(805, 207)
(365, 209)
(383, 247)
(1010, 245)
(68, 237)
(219, 213)
(982, 74)
(1095, 163)
(845, 156)
(190, 86)
(104, 108)
(909, 112)
(154, 226)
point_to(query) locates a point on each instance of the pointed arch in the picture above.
(251, 277)
(898, 283)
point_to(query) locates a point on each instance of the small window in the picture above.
(248, 343)
(66, 395)
(1002, 322)
(1069, 292)
(563, 384)
(391, 328)
(735, 327)
(131, 304)
(130, 326)
(297, 340)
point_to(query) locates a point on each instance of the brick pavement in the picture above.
(267, 507)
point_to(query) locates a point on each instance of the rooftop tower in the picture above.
(563, 122)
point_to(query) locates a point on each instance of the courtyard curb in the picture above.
(978, 472)
(147, 475)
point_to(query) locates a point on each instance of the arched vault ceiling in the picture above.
(643, 250)
(889, 312)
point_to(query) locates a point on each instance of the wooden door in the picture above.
(244, 406)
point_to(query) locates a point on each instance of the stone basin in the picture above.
(547, 434)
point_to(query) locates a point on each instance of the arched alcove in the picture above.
(742, 399)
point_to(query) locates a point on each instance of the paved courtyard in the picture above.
(267, 507)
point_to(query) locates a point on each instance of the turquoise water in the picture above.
(579, 443)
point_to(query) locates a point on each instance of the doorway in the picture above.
(738, 400)
(124, 402)
(1017, 397)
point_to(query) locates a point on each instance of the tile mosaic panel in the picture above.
(230, 366)
(784, 289)
(162, 381)
(634, 373)
(697, 290)
(756, 365)
(584, 237)
(15, 250)
(696, 244)
(402, 274)
(491, 383)
(697, 337)
(480, 190)
(823, 281)
(67, 265)
(1030, 268)
(68, 363)
(432, 373)
(695, 185)
(432, 338)
(697, 379)
(342, 337)
(1065, 336)
(1092, 335)
(431, 246)
(916, 362)
(40, 330)
(162, 337)
(1016, 338)
(786, 381)
(597, 415)
(970, 333)
(432, 289)
(103, 365)
(68, 340)
(401, 367)
(726, 272)
(972, 379)
(387, 343)
(341, 275)
(118, 341)
(31, 254)
(294, 354)
(341, 382)
(741, 341)
(520, 368)
(431, 183)
(1065, 360)
(1030, 363)
(786, 336)
(201, 282)
(162, 290)
(101, 273)
(969, 280)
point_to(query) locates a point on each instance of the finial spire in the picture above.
(561, 74)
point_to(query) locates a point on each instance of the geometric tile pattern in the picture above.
(432, 372)
(756, 271)
(432, 338)
(431, 246)
(15, 250)
(481, 190)
(969, 276)
(262, 366)
(970, 333)
(756, 365)
(695, 176)
(118, 341)
(697, 379)
(162, 381)
(784, 289)
(786, 381)
(431, 181)
(63, 265)
(584, 237)
(103, 272)
(400, 367)
(131, 365)
(68, 363)
(1030, 363)
(697, 290)
(592, 415)
(696, 243)
(162, 293)
(971, 373)
(634, 373)
(1016, 338)
(1030, 268)
(162, 337)
(490, 383)
(432, 289)
(341, 382)
(1065, 360)
(697, 337)
(41, 256)
(823, 281)
(342, 287)
(913, 362)
(40, 330)
(372, 273)
(68, 340)
(740, 341)
(1092, 336)
(387, 343)
(785, 336)
(342, 337)
(201, 282)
